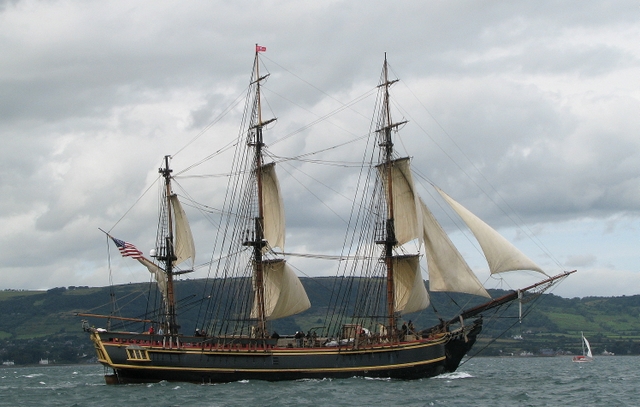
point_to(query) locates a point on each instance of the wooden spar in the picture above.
(390, 240)
(470, 313)
(258, 241)
(259, 220)
(169, 257)
(81, 314)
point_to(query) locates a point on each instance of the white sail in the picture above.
(410, 292)
(586, 342)
(284, 294)
(184, 247)
(158, 273)
(274, 220)
(406, 210)
(448, 271)
(499, 252)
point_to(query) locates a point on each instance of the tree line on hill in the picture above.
(37, 325)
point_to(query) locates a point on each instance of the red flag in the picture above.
(260, 48)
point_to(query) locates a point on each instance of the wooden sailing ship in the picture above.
(253, 285)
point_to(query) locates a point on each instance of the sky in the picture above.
(527, 113)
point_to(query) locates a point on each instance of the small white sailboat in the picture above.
(586, 356)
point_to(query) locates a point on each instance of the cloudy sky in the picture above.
(525, 112)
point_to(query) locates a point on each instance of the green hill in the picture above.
(38, 325)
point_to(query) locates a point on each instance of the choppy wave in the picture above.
(454, 376)
(487, 382)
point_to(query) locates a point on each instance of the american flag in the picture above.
(260, 48)
(127, 249)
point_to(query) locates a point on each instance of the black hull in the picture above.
(136, 375)
(138, 358)
(460, 345)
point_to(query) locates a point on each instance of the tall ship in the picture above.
(391, 237)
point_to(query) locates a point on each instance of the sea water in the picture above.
(513, 381)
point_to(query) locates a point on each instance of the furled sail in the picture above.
(274, 220)
(158, 273)
(129, 250)
(448, 271)
(184, 247)
(499, 252)
(410, 292)
(284, 294)
(406, 208)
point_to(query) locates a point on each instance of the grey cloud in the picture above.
(528, 113)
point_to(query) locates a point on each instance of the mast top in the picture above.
(166, 171)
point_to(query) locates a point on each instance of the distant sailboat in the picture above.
(586, 356)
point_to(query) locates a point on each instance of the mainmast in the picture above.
(259, 241)
(390, 241)
(168, 256)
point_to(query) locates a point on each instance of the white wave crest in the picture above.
(454, 376)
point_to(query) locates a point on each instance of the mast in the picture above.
(390, 240)
(169, 254)
(259, 241)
